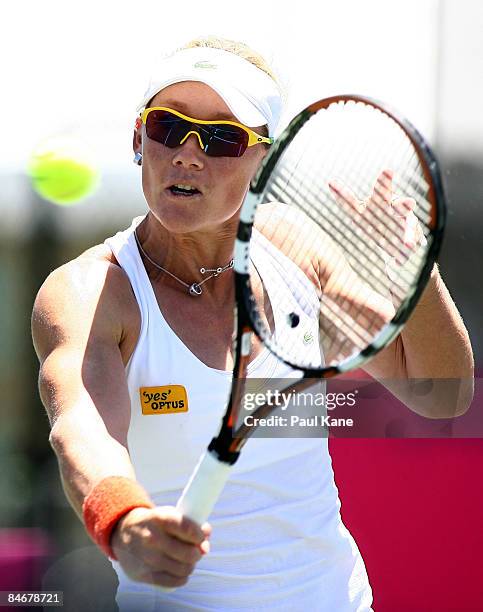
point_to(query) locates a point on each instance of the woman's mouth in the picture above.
(184, 191)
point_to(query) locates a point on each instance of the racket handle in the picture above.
(203, 488)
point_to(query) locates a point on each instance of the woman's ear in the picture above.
(137, 136)
(262, 157)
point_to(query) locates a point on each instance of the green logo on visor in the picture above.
(205, 64)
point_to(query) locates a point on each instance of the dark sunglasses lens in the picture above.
(218, 140)
(224, 140)
(166, 128)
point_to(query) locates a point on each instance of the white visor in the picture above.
(252, 96)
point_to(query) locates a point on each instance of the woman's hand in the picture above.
(159, 546)
(388, 220)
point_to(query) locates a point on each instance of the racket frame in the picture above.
(214, 467)
(436, 197)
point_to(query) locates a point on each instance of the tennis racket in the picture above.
(352, 198)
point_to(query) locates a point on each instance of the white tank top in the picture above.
(278, 542)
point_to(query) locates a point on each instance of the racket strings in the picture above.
(355, 234)
(301, 189)
(302, 197)
(358, 327)
(348, 235)
(344, 226)
(369, 267)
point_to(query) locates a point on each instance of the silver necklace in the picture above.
(195, 288)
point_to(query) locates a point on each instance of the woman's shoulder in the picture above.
(98, 254)
(93, 287)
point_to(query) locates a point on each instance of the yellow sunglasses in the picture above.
(216, 138)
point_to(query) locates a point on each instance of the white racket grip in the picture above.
(203, 488)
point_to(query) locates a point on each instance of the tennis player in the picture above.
(134, 341)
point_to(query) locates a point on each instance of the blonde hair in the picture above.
(233, 46)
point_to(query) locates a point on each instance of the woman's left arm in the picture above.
(433, 352)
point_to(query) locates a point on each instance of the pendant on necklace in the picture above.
(195, 289)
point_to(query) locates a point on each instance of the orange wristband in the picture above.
(107, 503)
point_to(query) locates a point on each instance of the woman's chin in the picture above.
(178, 221)
(187, 214)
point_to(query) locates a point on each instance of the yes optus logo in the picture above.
(168, 399)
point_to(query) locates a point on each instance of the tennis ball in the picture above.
(62, 171)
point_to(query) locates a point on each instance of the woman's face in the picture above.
(222, 182)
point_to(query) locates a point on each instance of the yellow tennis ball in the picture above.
(62, 171)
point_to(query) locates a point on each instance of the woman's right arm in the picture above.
(82, 315)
